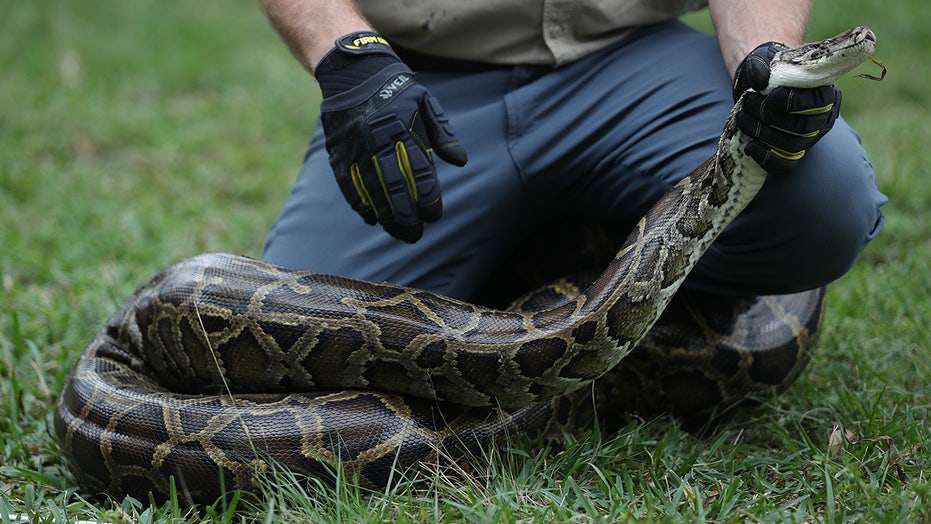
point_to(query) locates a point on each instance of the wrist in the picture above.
(309, 27)
(352, 48)
(741, 25)
(355, 58)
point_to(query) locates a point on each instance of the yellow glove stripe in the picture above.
(788, 155)
(814, 110)
(356, 177)
(803, 135)
(381, 181)
(404, 165)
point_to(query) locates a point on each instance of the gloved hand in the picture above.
(382, 129)
(785, 123)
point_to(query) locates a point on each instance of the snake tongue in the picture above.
(872, 77)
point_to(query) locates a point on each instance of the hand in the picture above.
(382, 129)
(785, 123)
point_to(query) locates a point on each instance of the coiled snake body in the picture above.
(221, 364)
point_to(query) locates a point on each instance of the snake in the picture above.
(222, 367)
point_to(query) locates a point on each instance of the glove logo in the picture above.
(393, 87)
(362, 41)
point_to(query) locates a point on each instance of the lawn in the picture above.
(133, 134)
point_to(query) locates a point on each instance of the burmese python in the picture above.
(221, 364)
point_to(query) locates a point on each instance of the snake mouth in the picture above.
(868, 40)
(854, 46)
(862, 36)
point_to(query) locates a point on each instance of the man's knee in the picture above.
(805, 228)
(840, 212)
(831, 240)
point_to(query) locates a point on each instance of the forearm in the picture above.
(309, 27)
(744, 24)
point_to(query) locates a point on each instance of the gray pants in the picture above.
(601, 138)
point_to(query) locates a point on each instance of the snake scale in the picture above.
(221, 365)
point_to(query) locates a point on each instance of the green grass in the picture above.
(133, 134)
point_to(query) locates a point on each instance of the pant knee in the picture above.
(833, 239)
(839, 208)
(804, 230)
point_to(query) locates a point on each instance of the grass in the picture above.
(133, 134)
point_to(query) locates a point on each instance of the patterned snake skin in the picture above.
(221, 365)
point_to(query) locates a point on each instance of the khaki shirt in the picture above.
(549, 32)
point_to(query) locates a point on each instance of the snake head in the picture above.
(821, 63)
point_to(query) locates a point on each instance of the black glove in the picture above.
(785, 123)
(381, 129)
